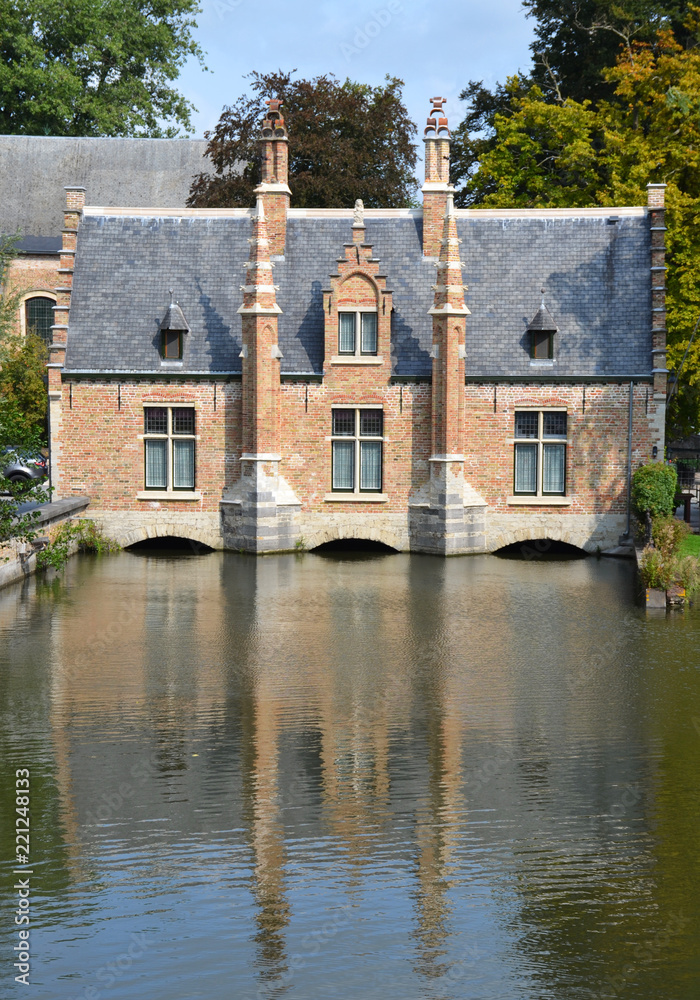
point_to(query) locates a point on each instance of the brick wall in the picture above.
(32, 274)
(103, 449)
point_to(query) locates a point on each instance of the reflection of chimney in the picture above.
(274, 188)
(437, 176)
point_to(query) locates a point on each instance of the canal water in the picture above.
(359, 776)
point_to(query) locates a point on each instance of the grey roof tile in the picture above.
(595, 275)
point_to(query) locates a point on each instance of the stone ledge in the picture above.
(356, 497)
(539, 501)
(169, 495)
(357, 359)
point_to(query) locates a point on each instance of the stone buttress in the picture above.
(259, 511)
(447, 517)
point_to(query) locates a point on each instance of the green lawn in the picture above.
(690, 546)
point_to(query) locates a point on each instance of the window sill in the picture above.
(169, 495)
(356, 497)
(539, 501)
(357, 359)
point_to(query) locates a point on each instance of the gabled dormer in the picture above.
(357, 307)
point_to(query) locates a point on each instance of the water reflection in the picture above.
(316, 776)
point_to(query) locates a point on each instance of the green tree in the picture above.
(94, 67)
(346, 141)
(572, 154)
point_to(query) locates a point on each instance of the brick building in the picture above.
(440, 380)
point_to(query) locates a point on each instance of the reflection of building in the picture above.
(34, 169)
(354, 385)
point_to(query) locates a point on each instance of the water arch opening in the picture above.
(354, 548)
(542, 550)
(169, 546)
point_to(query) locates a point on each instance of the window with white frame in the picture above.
(540, 453)
(357, 441)
(357, 332)
(169, 447)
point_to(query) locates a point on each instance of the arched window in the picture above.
(38, 316)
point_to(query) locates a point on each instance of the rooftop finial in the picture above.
(358, 216)
(437, 120)
(259, 210)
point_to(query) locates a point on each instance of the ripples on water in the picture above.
(387, 776)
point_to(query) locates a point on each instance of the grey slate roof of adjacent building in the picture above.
(133, 172)
(595, 274)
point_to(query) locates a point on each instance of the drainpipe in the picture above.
(629, 462)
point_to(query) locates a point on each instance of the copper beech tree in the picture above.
(346, 141)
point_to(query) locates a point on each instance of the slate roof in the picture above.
(595, 275)
(114, 171)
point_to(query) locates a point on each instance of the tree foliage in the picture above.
(94, 67)
(542, 152)
(346, 141)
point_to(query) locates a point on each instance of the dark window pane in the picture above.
(554, 425)
(371, 423)
(369, 333)
(343, 423)
(526, 468)
(346, 333)
(541, 344)
(172, 341)
(38, 315)
(526, 424)
(343, 465)
(156, 420)
(183, 421)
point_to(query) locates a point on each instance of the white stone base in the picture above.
(587, 531)
(130, 526)
(590, 532)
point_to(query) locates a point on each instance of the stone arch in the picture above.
(358, 289)
(577, 535)
(126, 537)
(337, 533)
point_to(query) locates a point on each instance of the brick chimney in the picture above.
(657, 227)
(274, 187)
(436, 137)
(75, 202)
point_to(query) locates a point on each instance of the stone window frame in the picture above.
(358, 312)
(541, 441)
(170, 436)
(358, 438)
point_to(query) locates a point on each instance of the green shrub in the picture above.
(654, 490)
(654, 570)
(85, 534)
(687, 573)
(668, 535)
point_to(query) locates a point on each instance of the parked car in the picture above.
(20, 466)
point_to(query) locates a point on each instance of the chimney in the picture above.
(436, 137)
(75, 202)
(274, 189)
(657, 228)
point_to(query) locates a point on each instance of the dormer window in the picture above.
(357, 332)
(541, 330)
(172, 331)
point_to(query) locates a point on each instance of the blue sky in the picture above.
(436, 48)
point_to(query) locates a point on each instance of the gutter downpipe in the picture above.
(629, 460)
